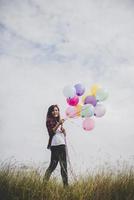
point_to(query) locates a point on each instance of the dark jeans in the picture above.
(58, 154)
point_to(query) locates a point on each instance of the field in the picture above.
(27, 184)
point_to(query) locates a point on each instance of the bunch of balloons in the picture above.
(88, 106)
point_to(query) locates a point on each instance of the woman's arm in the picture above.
(58, 124)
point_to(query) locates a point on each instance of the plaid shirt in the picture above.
(51, 123)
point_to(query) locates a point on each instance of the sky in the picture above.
(46, 45)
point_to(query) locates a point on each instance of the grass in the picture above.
(26, 184)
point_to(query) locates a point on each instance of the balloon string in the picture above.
(68, 157)
(74, 123)
(71, 168)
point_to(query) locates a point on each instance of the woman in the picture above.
(56, 143)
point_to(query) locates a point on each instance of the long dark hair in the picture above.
(49, 113)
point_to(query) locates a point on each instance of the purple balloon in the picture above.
(80, 89)
(90, 100)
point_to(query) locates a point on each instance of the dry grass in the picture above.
(23, 184)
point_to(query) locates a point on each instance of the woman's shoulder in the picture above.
(51, 121)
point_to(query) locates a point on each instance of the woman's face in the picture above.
(55, 112)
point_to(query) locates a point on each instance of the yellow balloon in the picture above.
(94, 89)
(78, 109)
(83, 98)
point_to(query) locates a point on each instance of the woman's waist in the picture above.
(61, 146)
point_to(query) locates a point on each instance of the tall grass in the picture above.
(27, 184)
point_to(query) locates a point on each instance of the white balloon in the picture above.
(69, 91)
(101, 94)
(99, 110)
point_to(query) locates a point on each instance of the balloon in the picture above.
(94, 89)
(73, 101)
(71, 112)
(80, 89)
(90, 100)
(89, 106)
(88, 124)
(84, 96)
(101, 94)
(69, 91)
(87, 110)
(78, 109)
(99, 110)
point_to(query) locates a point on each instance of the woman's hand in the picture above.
(61, 121)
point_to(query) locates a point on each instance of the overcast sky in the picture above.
(48, 44)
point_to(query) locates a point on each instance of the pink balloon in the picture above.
(73, 101)
(88, 124)
(71, 112)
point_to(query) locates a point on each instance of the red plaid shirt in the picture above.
(51, 123)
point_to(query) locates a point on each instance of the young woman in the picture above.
(56, 143)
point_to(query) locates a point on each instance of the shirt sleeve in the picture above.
(50, 125)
